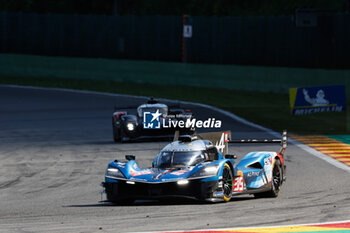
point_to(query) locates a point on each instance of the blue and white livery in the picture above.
(194, 167)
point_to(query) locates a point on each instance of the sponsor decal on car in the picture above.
(170, 180)
(135, 166)
(137, 179)
(218, 194)
(252, 174)
(140, 173)
(268, 161)
(179, 172)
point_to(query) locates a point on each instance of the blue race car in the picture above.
(194, 167)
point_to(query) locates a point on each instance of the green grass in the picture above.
(267, 109)
(232, 77)
(342, 138)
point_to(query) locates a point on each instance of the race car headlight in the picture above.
(207, 171)
(114, 172)
(182, 182)
(130, 126)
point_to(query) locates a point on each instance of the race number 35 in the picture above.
(238, 184)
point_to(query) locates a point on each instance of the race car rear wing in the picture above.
(219, 139)
(283, 141)
(222, 138)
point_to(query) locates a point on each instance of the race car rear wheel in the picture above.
(277, 179)
(227, 182)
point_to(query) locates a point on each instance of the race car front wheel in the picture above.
(116, 133)
(227, 182)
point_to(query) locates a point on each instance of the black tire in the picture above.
(227, 183)
(277, 180)
(116, 132)
(121, 133)
(116, 137)
(123, 202)
(116, 201)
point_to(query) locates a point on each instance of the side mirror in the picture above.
(130, 157)
(230, 156)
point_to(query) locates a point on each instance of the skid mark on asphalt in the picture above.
(343, 227)
(336, 147)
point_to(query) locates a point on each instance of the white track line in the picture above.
(229, 114)
(247, 228)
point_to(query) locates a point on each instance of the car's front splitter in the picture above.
(197, 189)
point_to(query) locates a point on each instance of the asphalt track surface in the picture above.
(54, 148)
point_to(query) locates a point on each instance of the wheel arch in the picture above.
(279, 158)
(231, 165)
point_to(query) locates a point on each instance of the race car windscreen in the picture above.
(179, 159)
